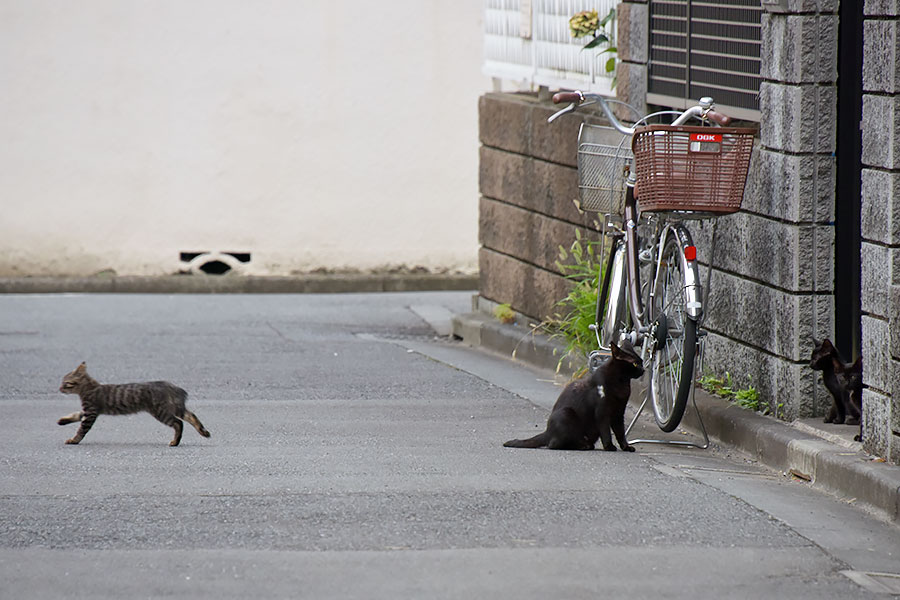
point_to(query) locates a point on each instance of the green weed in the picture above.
(724, 387)
(576, 312)
(504, 313)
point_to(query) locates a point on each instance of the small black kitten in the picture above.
(587, 409)
(853, 383)
(843, 380)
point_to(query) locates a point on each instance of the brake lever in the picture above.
(560, 113)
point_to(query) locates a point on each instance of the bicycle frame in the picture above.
(623, 273)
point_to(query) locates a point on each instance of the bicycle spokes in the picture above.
(674, 336)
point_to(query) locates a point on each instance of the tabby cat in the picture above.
(590, 407)
(159, 398)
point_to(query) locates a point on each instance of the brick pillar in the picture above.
(632, 43)
(880, 227)
(772, 284)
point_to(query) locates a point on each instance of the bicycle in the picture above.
(651, 292)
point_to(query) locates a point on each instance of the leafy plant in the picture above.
(504, 313)
(724, 387)
(580, 264)
(588, 23)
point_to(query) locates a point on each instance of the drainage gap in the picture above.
(214, 267)
(213, 263)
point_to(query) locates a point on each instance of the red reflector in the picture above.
(690, 252)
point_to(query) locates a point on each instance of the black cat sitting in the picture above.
(587, 409)
(844, 382)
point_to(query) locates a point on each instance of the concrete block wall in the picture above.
(773, 268)
(528, 183)
(880, 227)
(633, 53)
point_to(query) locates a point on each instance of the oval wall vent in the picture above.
(214, 263)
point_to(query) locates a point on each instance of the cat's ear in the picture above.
(81, 368)
(837, 365)
(614, 349)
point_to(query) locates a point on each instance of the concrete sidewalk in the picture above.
(825, 455)
(242, 284)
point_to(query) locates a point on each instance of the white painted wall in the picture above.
(311, 134)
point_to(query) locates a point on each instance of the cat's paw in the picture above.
(839, 421)
(610, 448)
(828, 420)
(63, 421)
(72, 441)
(628, 449)
(852, 421)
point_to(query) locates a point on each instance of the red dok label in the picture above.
(706, 137)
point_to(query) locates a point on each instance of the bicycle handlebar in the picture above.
(718, 117)
(702, 111)
(560, 97)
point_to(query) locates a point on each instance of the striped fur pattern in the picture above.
(159, 398)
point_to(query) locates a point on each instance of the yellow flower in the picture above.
(584, 23)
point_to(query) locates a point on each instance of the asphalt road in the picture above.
(356, 454)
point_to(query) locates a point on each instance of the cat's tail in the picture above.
(193, 420)
(537, 441)
(180, 398)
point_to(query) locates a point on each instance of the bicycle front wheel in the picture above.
(673, 335)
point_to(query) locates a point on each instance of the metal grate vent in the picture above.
(706, 49)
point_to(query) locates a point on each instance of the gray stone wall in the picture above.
(528, 183)
(773, 269)
(880, 227)
(633, 52)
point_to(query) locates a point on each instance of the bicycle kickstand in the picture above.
(693, 402)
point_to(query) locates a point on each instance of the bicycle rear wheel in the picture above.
(673, 335)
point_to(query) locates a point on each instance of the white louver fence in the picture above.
(528, 41)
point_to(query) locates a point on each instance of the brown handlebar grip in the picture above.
(566, 97)
(718, 118)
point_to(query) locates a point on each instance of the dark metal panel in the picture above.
(700, 48)
(848, 238)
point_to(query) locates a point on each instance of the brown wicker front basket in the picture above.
(691, 169)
